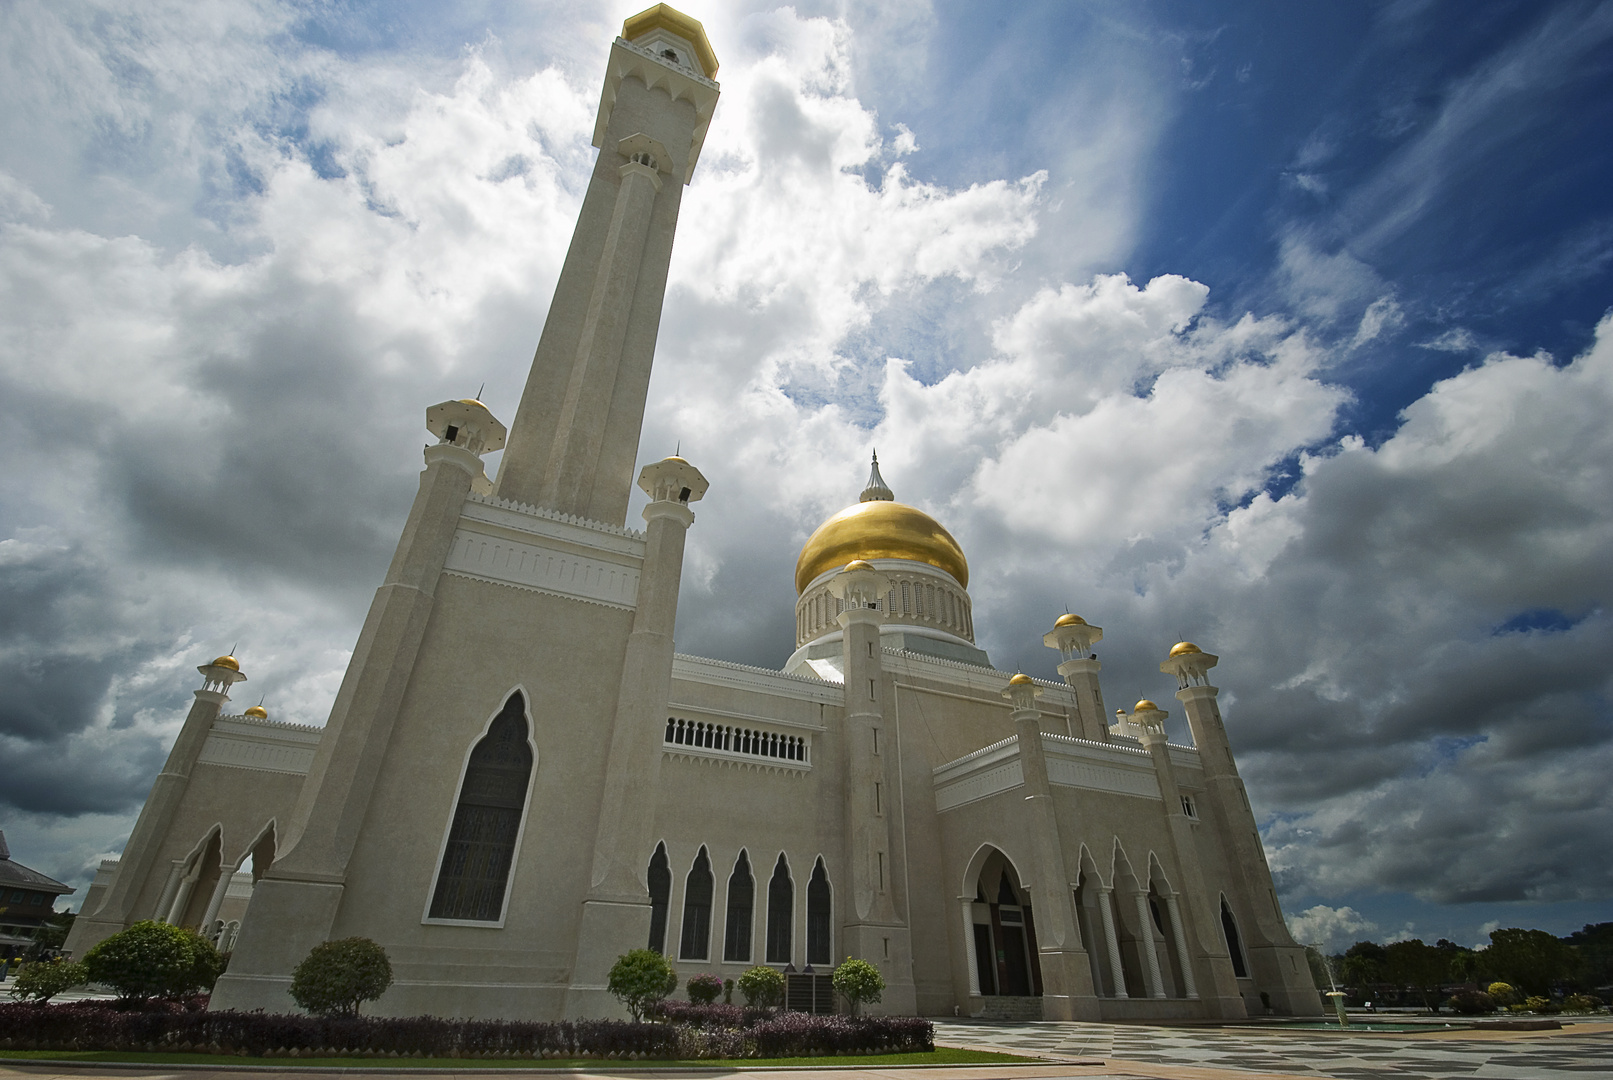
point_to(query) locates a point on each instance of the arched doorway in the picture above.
(1003, 930)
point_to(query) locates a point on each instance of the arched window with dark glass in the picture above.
(696, 941)
(780, 913)
(475, 872)
(741, 904)
(1229, 926)
(819, 947)
(660, 896)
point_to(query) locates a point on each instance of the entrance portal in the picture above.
(1004, 932)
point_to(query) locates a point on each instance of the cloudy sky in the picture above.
(1281, 328)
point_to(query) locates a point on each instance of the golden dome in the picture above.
(472, 401)
(859, 564)
(880, 530)
(1145, 706)
(1021, 680)
(226, 662)
(1182, 648)
(257, 711)
(1069, 620)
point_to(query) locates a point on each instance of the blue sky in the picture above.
(1280, 327)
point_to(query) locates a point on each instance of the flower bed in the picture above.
(712, 1033)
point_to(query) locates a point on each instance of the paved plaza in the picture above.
(1582, 1051)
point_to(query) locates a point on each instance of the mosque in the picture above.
(520, 779)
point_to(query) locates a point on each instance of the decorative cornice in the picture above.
(554, 515)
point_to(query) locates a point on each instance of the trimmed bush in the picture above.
(706, 1016)
(762, 986)
(337, 976)
(169, 1026)
(703, 989)
(639, 978)
(859, 982)
(153, 959)
(1503, 993)
(44, 979)
(1581, 1003)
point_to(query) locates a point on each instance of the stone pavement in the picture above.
(1583, 1051)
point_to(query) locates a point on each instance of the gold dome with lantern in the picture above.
(926, 605)
(879, 527)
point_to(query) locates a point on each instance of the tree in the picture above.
(762, 986)
(1422, 967)
(44, 979)
(859, 982)
(1531, 959)
(640, 978)
(337, 976)
(153, 959)
(1363, 965)
(1594, 944)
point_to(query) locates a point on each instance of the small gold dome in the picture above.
(472, 401)
(1021, 680)
(859, 564)
(226, 662)
(1145, 706)
(1069, 620)
(1183, 648)
(880, 530)
(257, 712)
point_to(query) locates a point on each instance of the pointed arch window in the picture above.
(1229, 926)
(780, 913)
(475, 872)
(741, 904)
(696, 941)
(819, 945)
(660, 897)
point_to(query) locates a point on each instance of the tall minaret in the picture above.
(576, 432)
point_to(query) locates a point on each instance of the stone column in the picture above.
(176, 913)
(872, 923)
(165, 903)
(968, 903)
(1156, 985)
(1183, 959)
(1067, 991)
(216, 900)
(143, 852)
(1117, 970)
(616, 912)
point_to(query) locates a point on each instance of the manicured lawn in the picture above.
(943, 1055)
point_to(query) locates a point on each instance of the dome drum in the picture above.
(918, 596)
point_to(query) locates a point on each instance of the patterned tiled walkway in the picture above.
(1578, 1051)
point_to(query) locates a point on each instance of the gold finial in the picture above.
(1183, 648)
(1144, 706)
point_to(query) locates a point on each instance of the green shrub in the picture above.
(703, 989)
(762, 986)
(44, 979)
(1471, 1002)
(1581, 1003)
(1504, 993)
(859, 982)
(337, 976)
(639, 978)
(153, 959)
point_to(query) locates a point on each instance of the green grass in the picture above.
(942, 1055)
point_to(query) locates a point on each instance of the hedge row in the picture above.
(757, 1034)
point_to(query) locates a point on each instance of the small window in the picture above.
(1229, 926)
(669, 55)
(696, 941)
(741, 902)
(780, 913)
(818, 918)
(660, 895)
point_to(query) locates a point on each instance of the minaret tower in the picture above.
(1074, 637)
(577, 429)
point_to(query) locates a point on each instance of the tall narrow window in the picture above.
(696, 942)
(741, 903)
(819, 946)
(780, 913)
(1229, 926)
(475, 869)
(660, 896)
